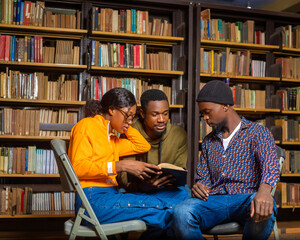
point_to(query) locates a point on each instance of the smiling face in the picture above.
(214, 114)
(156, 118)
(121, 119)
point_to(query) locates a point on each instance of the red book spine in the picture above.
(101, 82)
(122, 56)
(41, 49)
(7, 48)
(97, 89)
(134, 56)
(2, 47)
(137, 56)
(35, 49)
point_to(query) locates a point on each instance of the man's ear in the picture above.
(226, 108)
(142, 113)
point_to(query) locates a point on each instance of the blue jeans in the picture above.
(194, 215)
(154, 209)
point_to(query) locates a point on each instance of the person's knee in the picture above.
(184, 210)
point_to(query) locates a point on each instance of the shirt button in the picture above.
(128, 204)
(224, 156)
(157, 206)
(223, 174)
(171, 206)
(144, 205)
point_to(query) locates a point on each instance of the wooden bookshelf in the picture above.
(291, 50)
(52, 32)
(60, 66)
(257, 111)
(290, 143)
(290, 206)
(247, 46)
(43, 214)
(30, 175)
(138, 71)
(290, 175)
(34, 102)
(241, 78)
(290, 112)
(31, 138)
(139, 38)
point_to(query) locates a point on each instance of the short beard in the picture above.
(159, 134)
(221, 126)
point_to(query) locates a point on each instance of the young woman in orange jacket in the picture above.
(94, 151)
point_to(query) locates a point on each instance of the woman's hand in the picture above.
(139, 169)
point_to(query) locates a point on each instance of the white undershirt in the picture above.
(227, 140)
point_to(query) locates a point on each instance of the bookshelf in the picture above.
(26, 66)
(179, 77)
(274, 79)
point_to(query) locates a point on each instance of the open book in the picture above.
(178, 172)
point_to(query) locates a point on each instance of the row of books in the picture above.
(247, 98)
(287, 194)
(53, 201)
(290, 36)
(290, 67)
(128, 21)
(290, 128)
(20, 160)
(36, 14)
(218, 29)
(291, 163)
(26, 122)
(290, 99)
(231, 64)
(128, 56)
(18, 85)
(32, 49)
(62, 18)
(22, 201)
(99, 85)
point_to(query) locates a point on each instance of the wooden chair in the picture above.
(235, 227)
(70, 182)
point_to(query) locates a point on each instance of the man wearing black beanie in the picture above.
(236, 172)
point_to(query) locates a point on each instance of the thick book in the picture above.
(179, 173)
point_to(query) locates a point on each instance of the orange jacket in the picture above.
(93, 151)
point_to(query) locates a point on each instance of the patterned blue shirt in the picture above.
(249, 160)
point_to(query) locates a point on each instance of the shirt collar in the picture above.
(244, 125)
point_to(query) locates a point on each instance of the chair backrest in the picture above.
(70, 180)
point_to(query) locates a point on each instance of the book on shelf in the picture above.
(289, 193)
(24, 122)
(23, 201)
(37, 85)
(99, 85)
(290, 36)
(290, 99)
(34, 49)
(128, 21)
(128, 56)
(290, 128)
(30, 160)
(30, 13)
(226, 62)
(290, 67)
(220, 30)
(291, 163)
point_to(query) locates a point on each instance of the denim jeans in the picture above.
(194, 215)
(154, 209)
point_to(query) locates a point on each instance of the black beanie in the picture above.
(216, 91)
